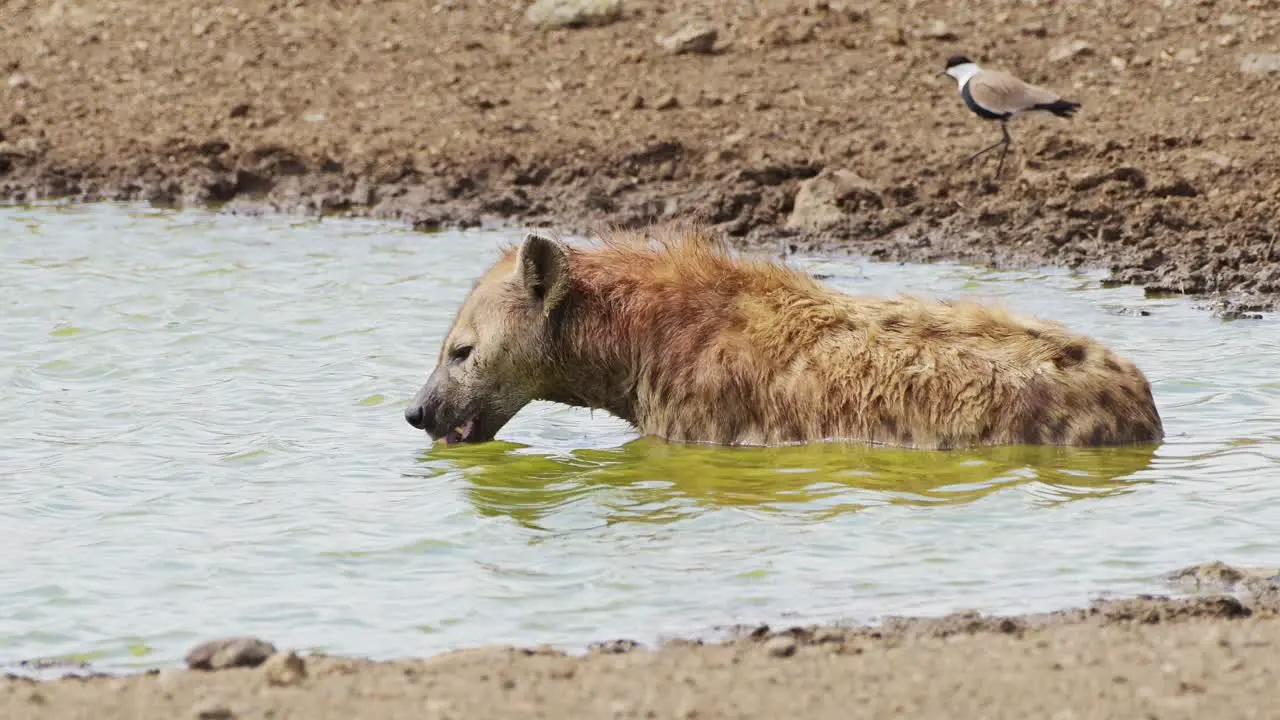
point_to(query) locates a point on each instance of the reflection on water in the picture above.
(653, 481)
(204, 437)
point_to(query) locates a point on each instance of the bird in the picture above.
(997, 95)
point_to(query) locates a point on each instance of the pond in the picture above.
(204, 437)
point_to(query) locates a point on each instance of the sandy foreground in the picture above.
(1210, 653)
(801, 124)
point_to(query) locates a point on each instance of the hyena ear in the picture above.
(542, 267)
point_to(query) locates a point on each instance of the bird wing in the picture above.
(1003, 93)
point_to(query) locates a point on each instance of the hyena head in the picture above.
(498, 350)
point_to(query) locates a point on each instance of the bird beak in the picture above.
(941, 73)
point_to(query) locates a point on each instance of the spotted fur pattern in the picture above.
(677, 335)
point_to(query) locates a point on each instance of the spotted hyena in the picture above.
(689, 342)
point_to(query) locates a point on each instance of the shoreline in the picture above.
(1249, 296)
(1203, 654)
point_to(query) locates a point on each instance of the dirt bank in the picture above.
(1206, 656)
(449, 113)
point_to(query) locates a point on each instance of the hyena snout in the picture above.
(424, 409)
(416, 415)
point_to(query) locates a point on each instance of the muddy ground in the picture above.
(451, 113)
(1208, 655)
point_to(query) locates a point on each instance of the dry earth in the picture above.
(451, 113)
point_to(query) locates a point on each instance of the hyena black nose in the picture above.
(416, 415)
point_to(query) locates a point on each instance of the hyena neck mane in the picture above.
(676, 336)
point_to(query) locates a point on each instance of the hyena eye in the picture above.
(460, 353)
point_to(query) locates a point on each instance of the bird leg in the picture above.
(1006, 140)
(1003, 143)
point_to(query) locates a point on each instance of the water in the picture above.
(203, 437)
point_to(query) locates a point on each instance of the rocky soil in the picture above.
(813, 124)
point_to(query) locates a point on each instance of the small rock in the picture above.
(284, 669)
(1216, 159)
(1260, 63)
(667, 102)
(1118, 63)
(28, 146)
(1217, 575)
(938, 30)
(781, 646)
(213, 710)
(690, 39)
(18, 80)
(854, 10)
(1229, 21)
(573, 13)
(1070, 51)
(1176, 188)
(830, 197)
(1034, 29)
(614, 647)
(1187, 56)
(895, 35)
(828, 635)
(229, 653)
(1228, 40)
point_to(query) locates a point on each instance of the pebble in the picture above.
(284, 669)
(828, 635)
(938, 30)
(1260, 63)
(213, 710)
(19, 81)
(1034, 29)
(229, 653)
(1069, 51)
(781, 646)
(691, 38)
(573, 13)
(667, 102)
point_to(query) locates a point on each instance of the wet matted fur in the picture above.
(674, 333)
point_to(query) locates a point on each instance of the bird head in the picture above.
(953, 62)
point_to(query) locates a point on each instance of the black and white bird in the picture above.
(996, 95)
